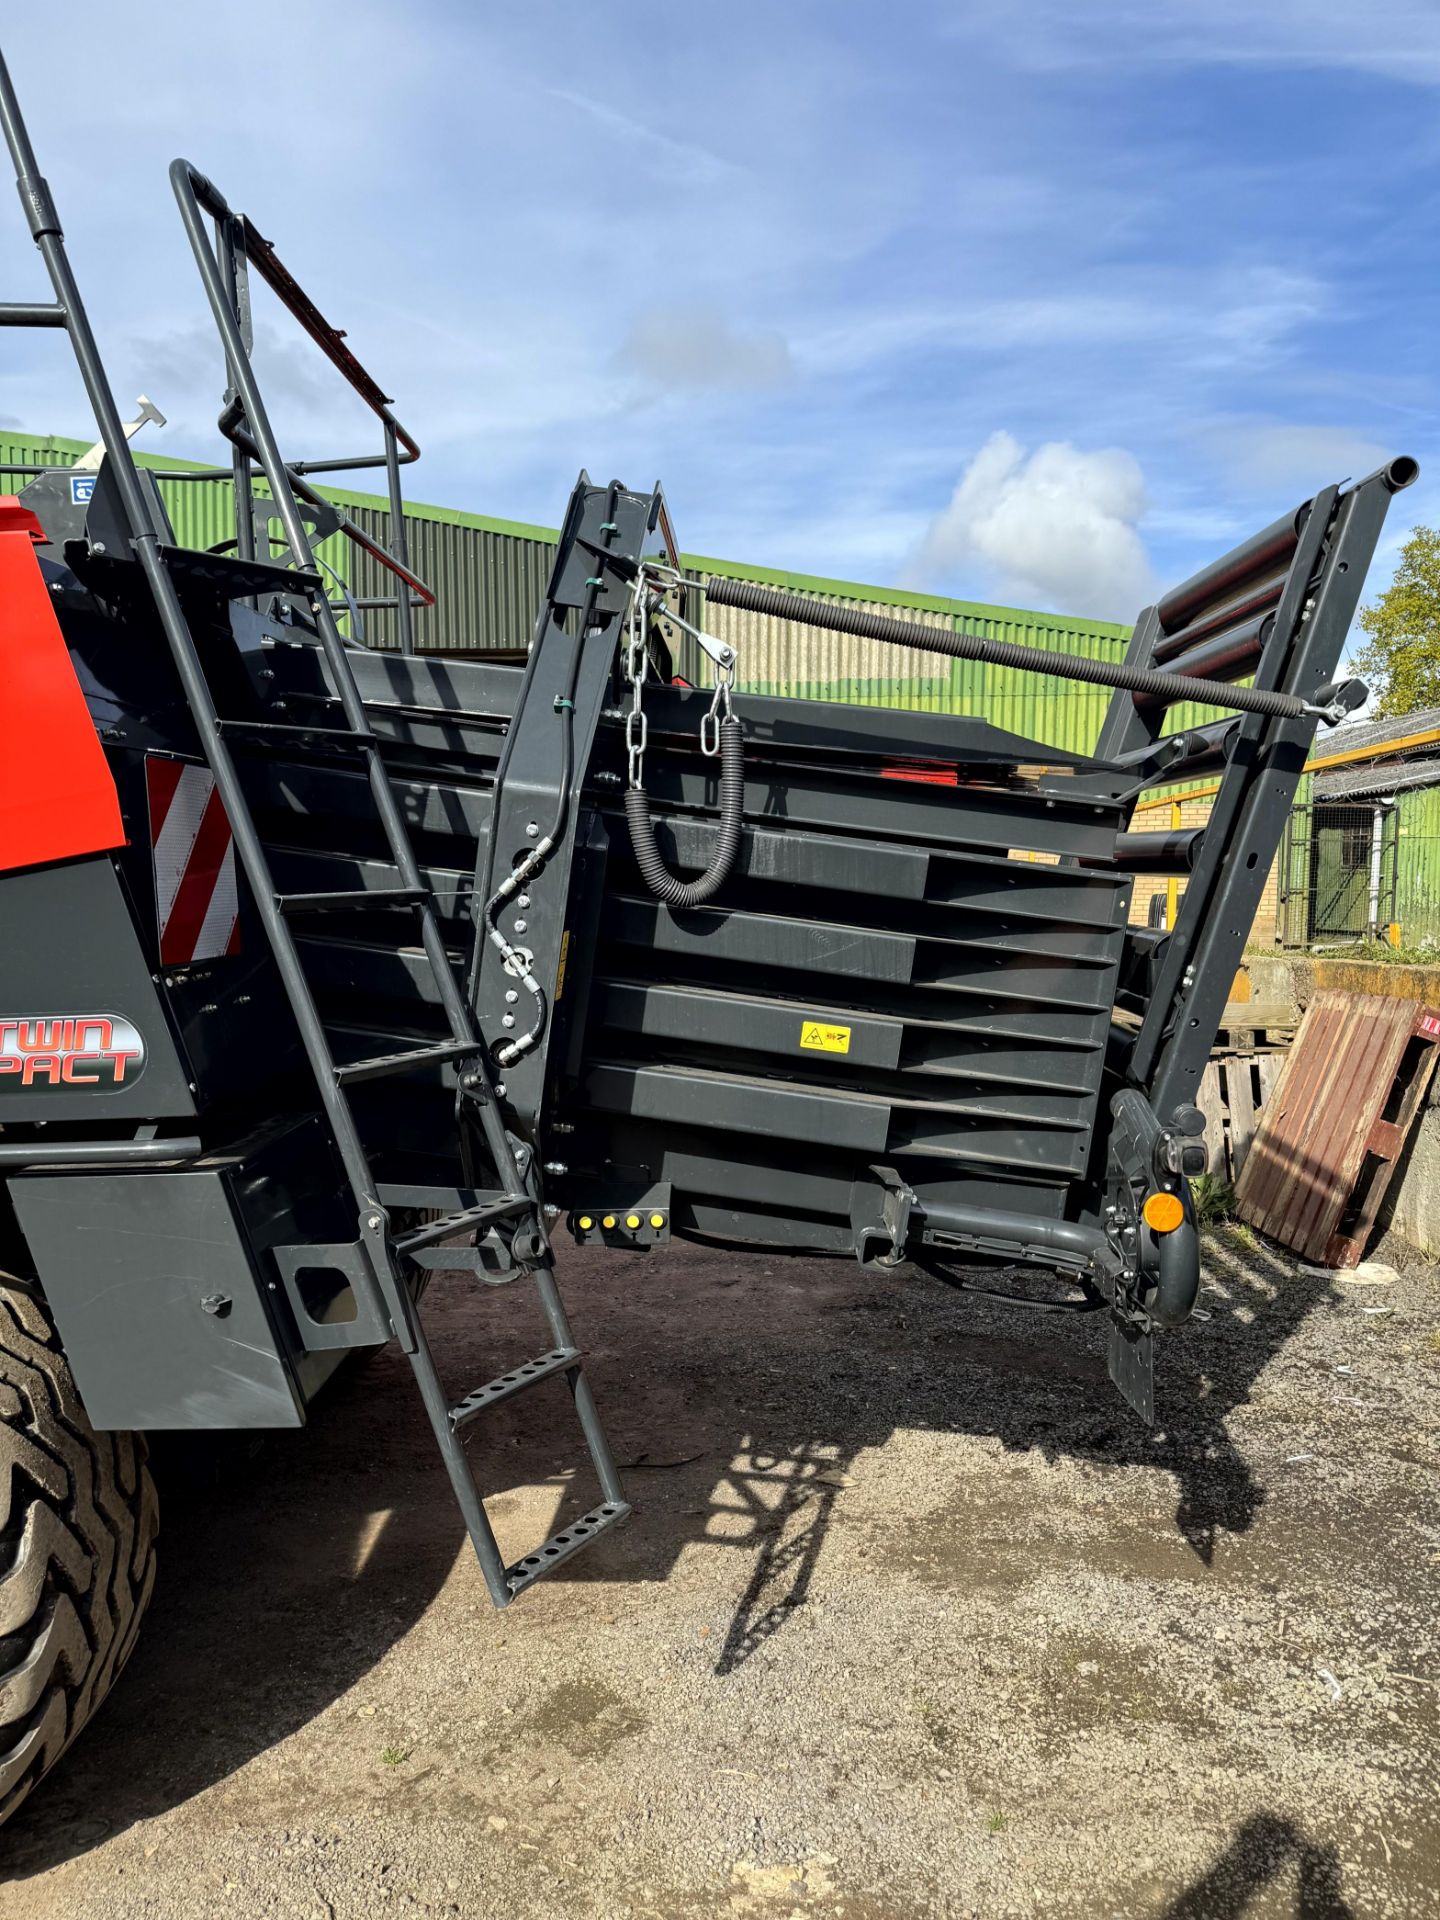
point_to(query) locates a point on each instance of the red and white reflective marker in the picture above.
(197, 902)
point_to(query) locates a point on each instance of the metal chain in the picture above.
(637, 728)
(647, 596)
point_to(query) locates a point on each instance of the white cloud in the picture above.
(678, 347)
(1057, 526)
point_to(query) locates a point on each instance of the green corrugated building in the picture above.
(490, 576)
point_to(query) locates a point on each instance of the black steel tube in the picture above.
(1263, 553)
(399, 547)
(1229, 655)
(1397, 474)
(1171, 645)
(1206, 751)
(778, 604)
(1026, 1233)
(1163, 852)
(231, 424)
(15, 1154)
(237, 289)
(31, 313)
(330, 340)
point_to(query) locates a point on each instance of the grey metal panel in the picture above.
(984, 881)
(71, 949)
(748, 1106)
(1061, 983)
(466, 686)
(126, 1260)
(989, 818)
(746, 1023)
(762, 940)
(826, 861)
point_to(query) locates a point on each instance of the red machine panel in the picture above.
(57, 798)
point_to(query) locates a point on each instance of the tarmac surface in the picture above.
(913, 1619)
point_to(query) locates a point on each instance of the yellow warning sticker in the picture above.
(818, 1037)
(564, 962)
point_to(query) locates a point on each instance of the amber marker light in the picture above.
(1163, 1212)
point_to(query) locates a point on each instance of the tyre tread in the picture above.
(78, 1520)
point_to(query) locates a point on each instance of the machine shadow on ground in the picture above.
(739, 1392)
(1264, 1853)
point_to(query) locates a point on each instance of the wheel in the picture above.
(77, 1550)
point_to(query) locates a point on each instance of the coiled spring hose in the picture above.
(661, 882)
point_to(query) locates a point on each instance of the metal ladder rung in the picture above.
(358, 897)
(386, 1063)
(529, 1374)
(560, 1546)
(466, 1222)
(287, 730)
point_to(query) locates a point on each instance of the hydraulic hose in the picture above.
(661, 882)
(779, 604)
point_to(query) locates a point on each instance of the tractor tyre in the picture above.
(78, 1520)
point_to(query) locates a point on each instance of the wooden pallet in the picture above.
(1327, 1142)
(1233, 1089)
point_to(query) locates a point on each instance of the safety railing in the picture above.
(225, 269)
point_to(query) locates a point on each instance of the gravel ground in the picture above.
(913, 1619)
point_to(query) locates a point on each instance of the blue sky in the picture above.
(1014, 300)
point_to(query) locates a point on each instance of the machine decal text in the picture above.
(69, 1050)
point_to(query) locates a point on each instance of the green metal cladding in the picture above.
(1417, 867)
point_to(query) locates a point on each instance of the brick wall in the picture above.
(1196, 813)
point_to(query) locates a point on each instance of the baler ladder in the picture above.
(379, 1262)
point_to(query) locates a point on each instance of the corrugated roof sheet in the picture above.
(1390, 776)
(1356, 735)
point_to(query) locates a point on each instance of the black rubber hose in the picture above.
(779, 604)
(661, 882)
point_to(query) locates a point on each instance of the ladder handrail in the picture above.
(48, 235)
(186, 181)
(378, 1274)
(243, 247)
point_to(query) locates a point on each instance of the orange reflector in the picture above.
(1163, 1212)
(608, 1221)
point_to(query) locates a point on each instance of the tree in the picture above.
(1401, 660)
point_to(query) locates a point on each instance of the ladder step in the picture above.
(478, 1216)
(385, 1063)
(530, 1374)
(359, 897)
(559, 1547)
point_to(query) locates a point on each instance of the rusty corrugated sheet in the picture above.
(1331, 1132)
